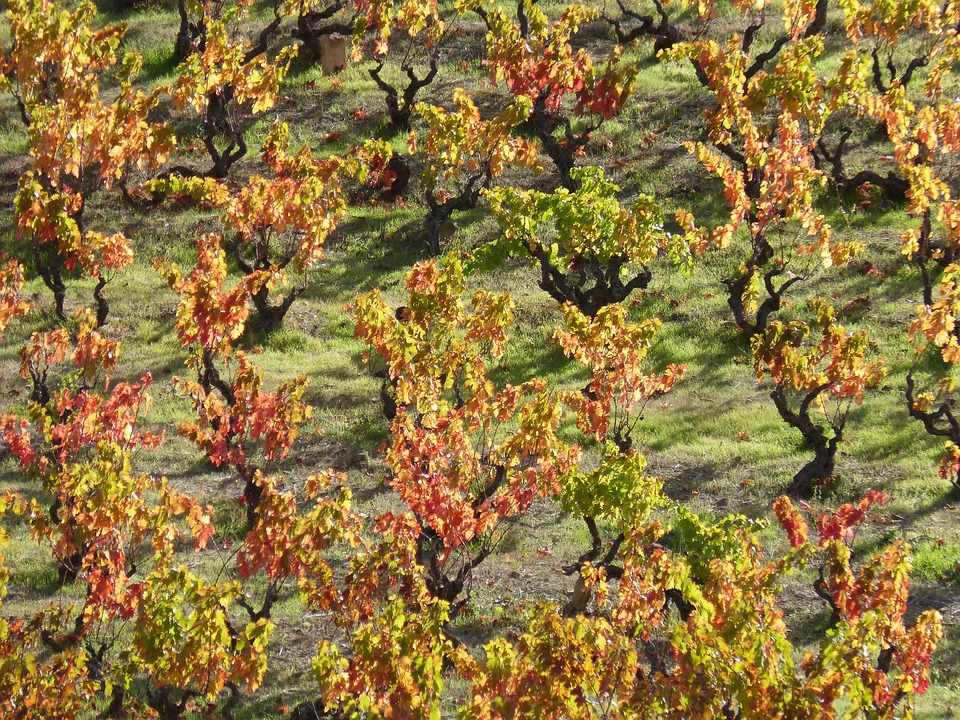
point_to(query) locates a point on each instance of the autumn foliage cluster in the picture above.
(672, 615)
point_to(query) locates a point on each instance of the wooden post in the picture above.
(333, 53)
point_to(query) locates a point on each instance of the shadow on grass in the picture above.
(364, 251)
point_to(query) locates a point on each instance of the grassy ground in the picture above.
(716, 439)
